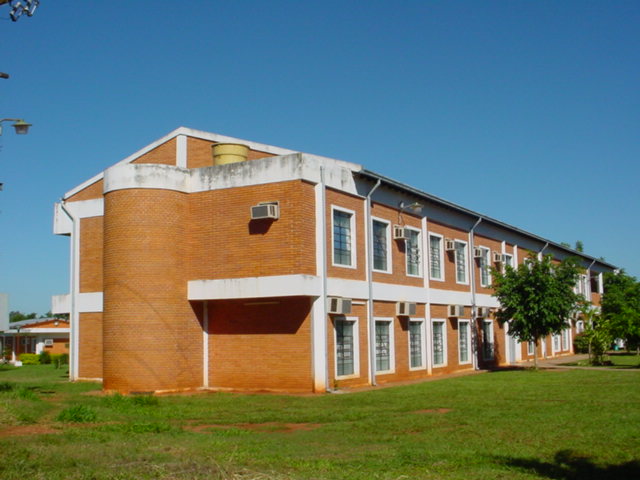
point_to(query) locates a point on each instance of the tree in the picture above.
(621, 307)
(16, 316)
(597, 331)
(536, 298)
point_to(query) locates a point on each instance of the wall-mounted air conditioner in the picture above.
(456, 310)
(498, 257)
(339, 305)
(482, 312)
(477, 252)
(48, 342)
(405, 308)
(400, 232)
(449, 245)
(265, 210)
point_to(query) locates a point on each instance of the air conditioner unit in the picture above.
(498, 257)
(477, 252)
(449, 245)
(456, 310)
(48, 342)
(405, 308)
(264, 211)
(482, 312)
(339, 306)
(400, 232)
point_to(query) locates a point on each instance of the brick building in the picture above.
(264, 268)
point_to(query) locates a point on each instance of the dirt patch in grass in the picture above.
(21, 430)
(434, 410)
(268, 427)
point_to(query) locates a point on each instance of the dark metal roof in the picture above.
(445, 203)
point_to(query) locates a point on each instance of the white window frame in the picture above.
(392, 350)
(566, 338)
(356, 348)
(493, 342)
(556, 343)
(419, 244)
(466, 261)
(444, 343)
(423, 343)
(389, 268)
(468, 323)
(531, 348)
(579, 326)
(352, 227)
(504, 265)
(485, 263)
(441, 260)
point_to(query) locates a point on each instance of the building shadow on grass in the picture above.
(569, 465)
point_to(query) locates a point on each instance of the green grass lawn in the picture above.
(557, 424)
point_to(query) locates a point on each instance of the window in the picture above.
(530, 348)
(343, 240)
(579, 326)
(384, 346)
(464, 340)
(461, 261)
(439, 343)
(508, 260)
(565, 339)
(416, 351)
(556, 343)
(380, 231)
(346, 347)
(413, 253)
(435, 257)
(485, 274)
(487, 340)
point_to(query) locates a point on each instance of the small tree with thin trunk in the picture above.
(536, 298)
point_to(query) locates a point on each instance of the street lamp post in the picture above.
(21, 127)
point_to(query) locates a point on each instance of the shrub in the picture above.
(45, 357)
(30, 358)
(59, 359)
(581, 343)
(77, 414)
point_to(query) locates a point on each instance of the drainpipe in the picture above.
(73, 281)
(323, 229)
(370, 320)
(474, 330)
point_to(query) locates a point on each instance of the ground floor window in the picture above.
(345, 347)
(416, 352)
(565, 339)
(487, 340)
(556, 343)
(464, 340)
(384, 346)
(530, 348)
(439, 343)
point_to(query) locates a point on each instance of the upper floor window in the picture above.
(381, 246)
(461, 261)
(485, 274)
(508, 260)
(413, 253)
(343, 238)
(435, 257)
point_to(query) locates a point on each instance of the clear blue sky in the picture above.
(528, 112)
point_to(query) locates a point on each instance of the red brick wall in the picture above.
(199, 153)
(90, 351)
(225, 243)
(261, 344)
(164, 154)
(91, 254)
(88, 193)
(152, 337)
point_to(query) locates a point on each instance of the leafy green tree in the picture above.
(597, 331)
(16, 316)
(536, 298)
(621, 307)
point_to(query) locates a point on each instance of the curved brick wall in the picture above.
(152, 338)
